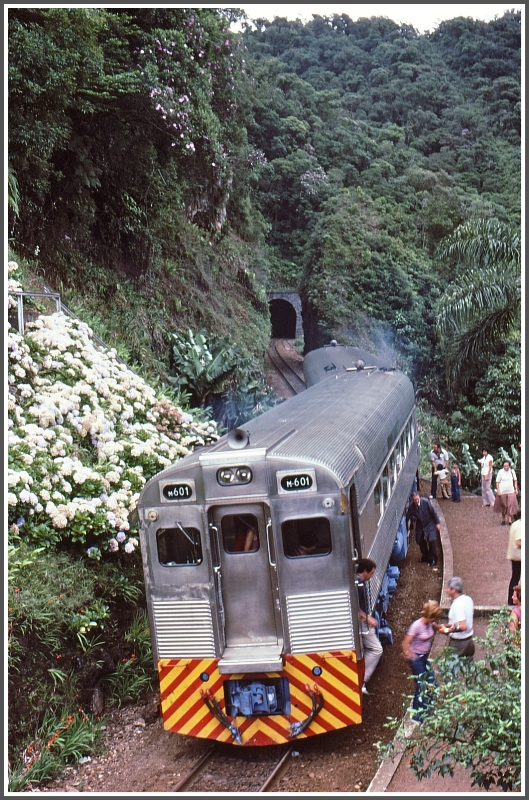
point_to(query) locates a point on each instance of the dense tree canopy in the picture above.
(157, 156)
(118, 119)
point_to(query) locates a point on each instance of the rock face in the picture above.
(150, 712)
(97, 706)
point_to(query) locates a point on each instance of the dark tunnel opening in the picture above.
(283, 319)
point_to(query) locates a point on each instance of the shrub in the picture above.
(84, 435)
(475, 717)
(59, 741)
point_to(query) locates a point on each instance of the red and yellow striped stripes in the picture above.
(340, 682)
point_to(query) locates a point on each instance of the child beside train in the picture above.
(443, 476)
(438, 455)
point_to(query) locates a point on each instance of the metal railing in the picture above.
(24, 315)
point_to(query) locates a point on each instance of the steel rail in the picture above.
(287, 373)
(195, 770)
(278, 771)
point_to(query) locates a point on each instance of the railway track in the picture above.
(286, 363)
(219, 769)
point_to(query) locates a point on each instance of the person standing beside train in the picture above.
(460, 628)
(515, 618)
(506, 491)
(487, 463)
(365, 569)
(423, 516)
(416, 647)
(455, 482)
(438, 455)
(514, 555)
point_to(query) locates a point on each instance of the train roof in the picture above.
(333, 359)
(340, 424)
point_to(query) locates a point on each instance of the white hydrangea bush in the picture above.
(13, 284)
(84, 435)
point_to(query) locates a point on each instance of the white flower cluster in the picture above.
(84, 435)
(13, 285)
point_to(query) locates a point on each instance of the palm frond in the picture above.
(479, 292)
(483, 307)
(13, 196)
(467, 349)
(482, 242)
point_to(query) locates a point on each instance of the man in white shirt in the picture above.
(514, 555)
(460, 619)
(487, 462)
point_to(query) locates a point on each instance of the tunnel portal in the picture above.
(285, 315)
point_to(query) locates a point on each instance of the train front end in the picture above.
(253, 646)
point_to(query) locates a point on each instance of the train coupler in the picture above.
(213, 705)
(317, 704)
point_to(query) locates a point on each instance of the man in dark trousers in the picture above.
(424, 518)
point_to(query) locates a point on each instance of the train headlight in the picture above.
(225, 476)
(317, 671)
(327, 502)
(244, 474)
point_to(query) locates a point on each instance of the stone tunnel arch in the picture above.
(285, 315)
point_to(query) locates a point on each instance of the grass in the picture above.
(136, 674)
(59, 741)
(49, 596)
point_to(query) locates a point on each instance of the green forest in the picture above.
(167, 172)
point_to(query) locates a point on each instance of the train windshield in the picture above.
(306, 537)
(178, 546)
(240, 533)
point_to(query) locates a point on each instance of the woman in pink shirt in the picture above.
(416, 647)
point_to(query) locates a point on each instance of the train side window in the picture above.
(386, 487)
(306, 537)
(398, 456)
(378, 500)
(392, 469)
(178, 546)
(240, 533)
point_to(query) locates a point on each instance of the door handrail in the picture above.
(268, 533)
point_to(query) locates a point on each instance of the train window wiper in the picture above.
(180, 528)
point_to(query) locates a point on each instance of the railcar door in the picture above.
(246, 588)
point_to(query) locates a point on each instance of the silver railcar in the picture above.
(249, 549)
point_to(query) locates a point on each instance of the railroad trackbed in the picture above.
(280, 356)
(222, 768)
